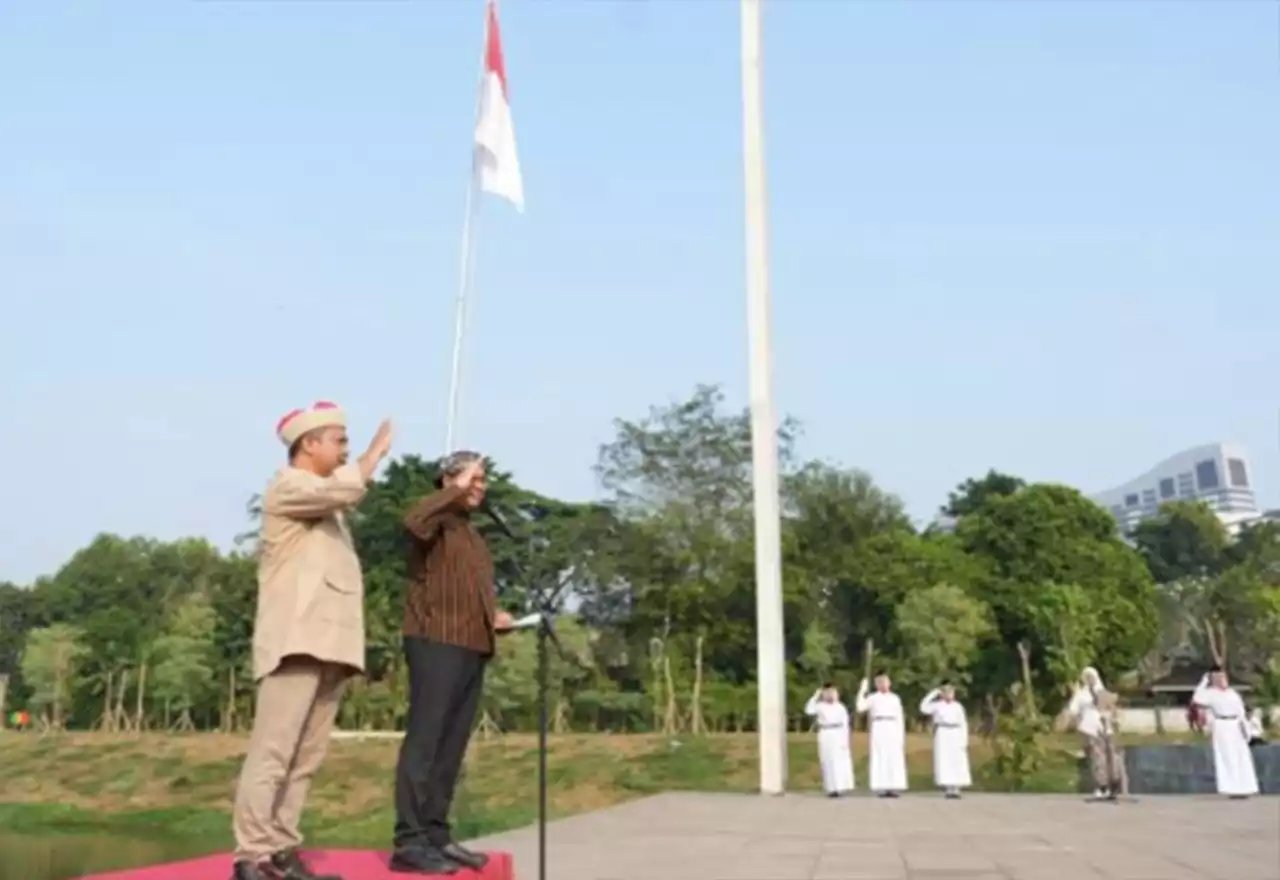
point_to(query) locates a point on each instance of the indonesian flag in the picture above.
(497, 165)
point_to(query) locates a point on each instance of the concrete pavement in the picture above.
(689, 836)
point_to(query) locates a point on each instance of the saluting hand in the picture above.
(380, 445)
(470, 472)
(503, 622)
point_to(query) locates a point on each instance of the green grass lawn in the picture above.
(176, 790)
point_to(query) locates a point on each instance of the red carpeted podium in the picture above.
(352, 864)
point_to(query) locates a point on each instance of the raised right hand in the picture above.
(468, 474)
(380, 445)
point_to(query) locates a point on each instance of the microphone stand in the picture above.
(542, 599)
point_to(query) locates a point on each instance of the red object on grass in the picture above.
(353, 864)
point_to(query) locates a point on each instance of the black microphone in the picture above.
(497, 519)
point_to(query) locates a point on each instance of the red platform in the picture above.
(351, 864)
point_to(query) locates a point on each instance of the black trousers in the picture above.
(445, 683)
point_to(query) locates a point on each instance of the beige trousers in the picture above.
(295, 712)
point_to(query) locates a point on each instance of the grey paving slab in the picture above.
(689, 836)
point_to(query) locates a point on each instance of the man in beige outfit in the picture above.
(308, 637)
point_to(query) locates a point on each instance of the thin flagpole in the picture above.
(771, 672)
(466, 263)
(465, 274)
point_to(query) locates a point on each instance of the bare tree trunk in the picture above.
(487, 727)
(1024, 655)
(670, 718)
(140, 722)
(55, 711)
(657, 650)
(696, 723)
(229, 713)
(4, 695)
(184, 723)
(107, 720)
(121, 717)
(1215, 632)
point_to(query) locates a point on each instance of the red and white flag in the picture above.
(497, 165)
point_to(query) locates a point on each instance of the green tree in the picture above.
(19, 613)
(1184, 539)
(51, 664)
(973, 493)
(835, 520)
(1258, 546)
(680, 484)
(185, 658)
(511, 686)
(941, 629)
(1063, 581)
(1217, 596)
(233, 597)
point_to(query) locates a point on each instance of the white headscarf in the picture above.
(1084, 679)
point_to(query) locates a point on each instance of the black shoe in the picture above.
(468, 858)
(833, 794)
(246, 870)
(288, 865)
(422, 860)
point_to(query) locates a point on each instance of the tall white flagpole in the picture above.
(465, 274)
(466, 268)
(771, 676)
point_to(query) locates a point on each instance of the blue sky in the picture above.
(1035, 236)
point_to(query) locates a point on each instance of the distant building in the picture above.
(1218, 474)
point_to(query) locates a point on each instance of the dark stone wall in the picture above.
(1185, 769)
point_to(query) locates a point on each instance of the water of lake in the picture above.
(70, 856)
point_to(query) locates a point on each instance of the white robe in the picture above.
(950, 741)
(1232, 761)
(833, 744)
(887, 725)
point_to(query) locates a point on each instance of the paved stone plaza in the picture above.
(919, 837)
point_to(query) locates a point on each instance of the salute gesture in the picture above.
(379, 447)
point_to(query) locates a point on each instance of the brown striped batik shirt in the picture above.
(450, 598)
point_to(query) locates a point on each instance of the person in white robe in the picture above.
(831, 718)
(1091, 709)
(950, 740)
(886, 724)
(1232, 761)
